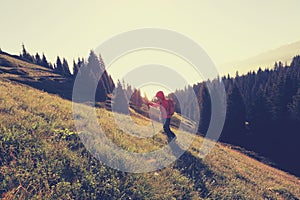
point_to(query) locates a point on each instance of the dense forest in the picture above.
(263, 112)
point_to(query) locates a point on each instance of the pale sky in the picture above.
(226, 30)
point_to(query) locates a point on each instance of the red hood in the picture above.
(160, 95)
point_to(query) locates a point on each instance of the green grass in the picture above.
(42, 157)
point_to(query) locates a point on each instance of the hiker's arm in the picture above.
(152, 104)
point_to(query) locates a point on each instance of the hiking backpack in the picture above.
(171, 107)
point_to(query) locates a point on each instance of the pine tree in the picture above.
(45, 63)
(294, 107)
(59, 66)
(120, 102)
(75, 68)
(296, 61)
(66, 69)
(234, 128)
(205, 109)
(38, 59)
(111, 84)
(26, 56)
(136, 99)
(260, 123)
(80, 62)
(97, 74)
(106, 78)
(101, 92)
(280, 97)
(128, 91)
(94, 64)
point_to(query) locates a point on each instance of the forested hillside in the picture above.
(263, 112)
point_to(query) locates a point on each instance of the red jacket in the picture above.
(163, 105)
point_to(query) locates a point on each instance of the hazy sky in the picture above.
(227, 30)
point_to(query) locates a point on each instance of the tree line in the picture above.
(263, 112)
(94, 64)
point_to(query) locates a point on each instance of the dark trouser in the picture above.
(167, 129)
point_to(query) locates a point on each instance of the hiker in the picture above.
(163, 104)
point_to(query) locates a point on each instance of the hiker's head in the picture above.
(160, 95)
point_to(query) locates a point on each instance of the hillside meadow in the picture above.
(42, 156)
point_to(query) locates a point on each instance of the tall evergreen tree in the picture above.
(94, 64)
(26, 56)
(38, 59)
(101, 91)
(120, 102)
(75, 68)
(234, 128)
(136, 99)
(96, 74)
(66, 69)
(205, 109)
(128, 91)
(59, 67)
(296, 61)
(294, 107)
(45, 63)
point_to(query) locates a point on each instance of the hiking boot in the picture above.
(172, 138)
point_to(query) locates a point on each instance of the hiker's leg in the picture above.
(167, 129)
(165, 126)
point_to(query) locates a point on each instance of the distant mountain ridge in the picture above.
(263, 60)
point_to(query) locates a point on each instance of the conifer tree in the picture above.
(45, 63)
(25, 55)
(66, 69)
(137, 99)
(120, 102)
(38, 59)
(205, 109)
(234, 127)
(75, 68)
(96, 73)
(59, 66)
(294, 107)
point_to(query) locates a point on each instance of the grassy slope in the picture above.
(42, 156)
